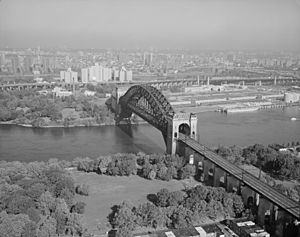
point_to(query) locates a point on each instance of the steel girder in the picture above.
(148, 103)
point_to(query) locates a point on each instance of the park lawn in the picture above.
(106, 191)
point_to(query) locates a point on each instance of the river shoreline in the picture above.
(69, 126)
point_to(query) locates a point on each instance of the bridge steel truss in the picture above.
(279, 199)
(148, 103)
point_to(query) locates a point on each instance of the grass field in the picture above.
(107, 191)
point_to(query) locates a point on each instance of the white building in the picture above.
(61, 92)
(98, 73)
(69, 76)
(89, 93)
(128, 75)
(291, 97)
(115, 76)
(122, 74)
(106, 74)
(84, 75)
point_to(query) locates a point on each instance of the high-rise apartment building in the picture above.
(45, 64)
(107, 74)
(28, 63)
(98, 73)
(15, 64)
(148, 58)
(122, 75)
(128, 75)
(84, 75)
(69, 76)
(95, 73)
(2, 59)
(115, 75)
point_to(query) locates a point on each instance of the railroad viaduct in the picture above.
(180, 135)
(161, 83)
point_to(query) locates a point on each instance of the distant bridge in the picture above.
(160, 83)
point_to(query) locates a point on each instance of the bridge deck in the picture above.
(248, 179)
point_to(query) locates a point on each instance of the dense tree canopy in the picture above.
(37, 199)
(177, 209)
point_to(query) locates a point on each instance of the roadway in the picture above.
(279, 199)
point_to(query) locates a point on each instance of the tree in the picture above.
(30, 230)
(13, 225)
(5, 114)
(36, 190)
(181, 217)
(124, 231)
(175, 198)
(238, 204)
(67, 196)
(73, 225)
(187, 171)
(146, 214)
(78, 207)
(199, 211)
(124, 217)
(216, 194)
(103, 162)
(112, 169)
(162, 197)
(61, 214)
(251, 158)
(162, 172)
(127, 165)
(19, 204)
(82, 189)
(86, 164)
(214, 210)
(46, 227)
(46, 203)
(34, 214)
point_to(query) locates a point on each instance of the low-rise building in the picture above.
(89, 93)
(61, 92)
(291, 97)
(246, 228)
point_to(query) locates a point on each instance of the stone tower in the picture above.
(185, 123)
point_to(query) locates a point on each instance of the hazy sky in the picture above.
(188, 24)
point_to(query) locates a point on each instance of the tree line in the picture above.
(282, 165)
(154, 166)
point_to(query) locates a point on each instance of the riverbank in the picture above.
(68, 126)
(55, 126)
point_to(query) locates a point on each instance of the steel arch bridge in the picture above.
(148, 103)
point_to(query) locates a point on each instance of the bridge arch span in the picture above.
(148, 103)
(151, 105)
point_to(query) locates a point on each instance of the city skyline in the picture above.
(204, 25)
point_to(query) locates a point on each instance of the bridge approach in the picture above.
(279, 199)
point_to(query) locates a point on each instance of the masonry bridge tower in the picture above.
(151, 105)
(184, 123)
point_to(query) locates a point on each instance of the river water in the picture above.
(28, 144)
